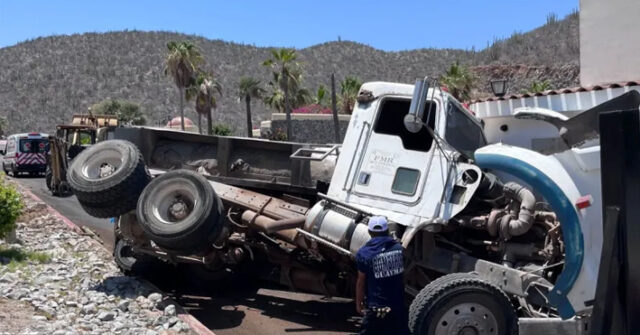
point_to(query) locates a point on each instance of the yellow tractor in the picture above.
(69, 140)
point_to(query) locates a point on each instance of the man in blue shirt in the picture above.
(380, 278)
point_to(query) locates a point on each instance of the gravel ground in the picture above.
(76, 289)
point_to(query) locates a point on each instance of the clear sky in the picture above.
(387, 25)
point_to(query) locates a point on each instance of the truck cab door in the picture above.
(396, 162)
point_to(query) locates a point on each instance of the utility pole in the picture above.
(287, 109)
(334, 109)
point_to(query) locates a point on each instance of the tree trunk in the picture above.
(181, 108)
(200, 123)
(334, 109)
(287, 110)
(247, 100)
(209, 125)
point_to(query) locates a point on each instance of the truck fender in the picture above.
(547, 177)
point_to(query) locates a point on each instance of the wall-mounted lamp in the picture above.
(499, 87)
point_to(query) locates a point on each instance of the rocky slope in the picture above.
(77, 289)
(44, 81)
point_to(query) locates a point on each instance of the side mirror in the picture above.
(413, 121)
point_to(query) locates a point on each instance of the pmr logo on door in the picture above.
(382, 162)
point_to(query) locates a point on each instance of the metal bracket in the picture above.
(306, 153)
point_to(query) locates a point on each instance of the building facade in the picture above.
(609, 41)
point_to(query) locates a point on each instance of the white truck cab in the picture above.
(400, 174)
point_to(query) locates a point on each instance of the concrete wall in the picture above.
(307, 128)
(609, 41)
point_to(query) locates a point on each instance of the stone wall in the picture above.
(307, 128)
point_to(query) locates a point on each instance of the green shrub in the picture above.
(221, 129)
(10, 207)
(278, 135)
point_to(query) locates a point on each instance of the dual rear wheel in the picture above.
(179, 210)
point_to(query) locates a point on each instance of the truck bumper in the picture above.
(41, 168)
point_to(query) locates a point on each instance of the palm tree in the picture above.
(181, 63)
(298, 96)
(287, 74)
(321, 96)
(249, 88)
(539, 86)
(204, 91)
(459, 81)
(349, 88)
(275, 98)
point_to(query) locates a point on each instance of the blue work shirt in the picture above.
(382, 262)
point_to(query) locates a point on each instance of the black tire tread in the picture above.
(48, 176)
(193, 239)
(430, 293)
(115, 199)
(133, 184)
(106, 212)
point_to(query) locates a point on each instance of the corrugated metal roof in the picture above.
(559, 91)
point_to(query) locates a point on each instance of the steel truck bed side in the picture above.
(246, 162)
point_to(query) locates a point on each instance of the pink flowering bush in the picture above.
(312, 109)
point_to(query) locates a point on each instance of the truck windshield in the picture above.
(462, 132)
(391, 122)
(34, 146)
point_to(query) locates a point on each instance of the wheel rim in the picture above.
(104, 166)
(467, 319)
(174, 201)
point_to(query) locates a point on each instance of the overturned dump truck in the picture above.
(491, 232)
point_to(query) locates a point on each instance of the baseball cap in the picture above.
(378, 224)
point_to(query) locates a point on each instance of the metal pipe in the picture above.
(270, 226)
(344, 204)
(506, 224)
(346, 180)
(523, 223)
(503, 222)
(325, 242)
(282, 228)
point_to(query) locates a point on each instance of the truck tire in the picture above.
(109, 177)
(102, 212)
(129, 262)
(48, 176)
(180, 211)
(74, 151)
(462, 301)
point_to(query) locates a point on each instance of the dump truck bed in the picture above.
(245, 162)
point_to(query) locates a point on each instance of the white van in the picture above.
(3, 146)
(26, 152)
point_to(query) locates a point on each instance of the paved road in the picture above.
(245, 307)
(237, 307)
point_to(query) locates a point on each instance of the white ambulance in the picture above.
(26, 153)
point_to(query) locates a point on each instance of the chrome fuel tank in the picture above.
(336, 225)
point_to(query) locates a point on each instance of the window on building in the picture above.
(391, 122)
(462, 132)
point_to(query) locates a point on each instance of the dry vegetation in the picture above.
(44, 81)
